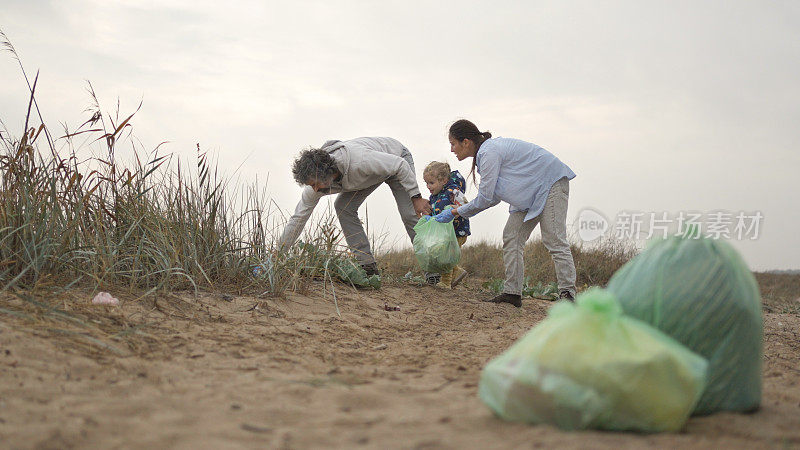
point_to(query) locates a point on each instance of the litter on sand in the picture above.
(104, 298)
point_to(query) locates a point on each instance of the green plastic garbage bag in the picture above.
(350, 271)
(435, 246)
(589, 366)
(700, 292)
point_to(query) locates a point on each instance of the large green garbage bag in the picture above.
(435, 246)
(589, 366)
(700, 292)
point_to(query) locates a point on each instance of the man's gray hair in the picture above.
(313, 164)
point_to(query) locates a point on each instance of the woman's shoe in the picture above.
(515, 300)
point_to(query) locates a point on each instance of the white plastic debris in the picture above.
(104, 298)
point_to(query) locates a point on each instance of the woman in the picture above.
(536, 185)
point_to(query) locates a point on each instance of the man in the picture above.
(354, 169)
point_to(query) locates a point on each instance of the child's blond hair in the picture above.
(440, 170)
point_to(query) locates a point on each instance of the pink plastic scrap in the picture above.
(104, 298)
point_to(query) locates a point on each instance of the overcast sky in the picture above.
(659, 107)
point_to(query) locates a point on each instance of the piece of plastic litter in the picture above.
(104, 298)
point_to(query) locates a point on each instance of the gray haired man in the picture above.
(354, 169)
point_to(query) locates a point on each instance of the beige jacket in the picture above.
(363, 162)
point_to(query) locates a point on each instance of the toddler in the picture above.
(447, 188)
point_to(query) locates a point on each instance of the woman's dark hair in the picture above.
(313, 164)
(464, 129)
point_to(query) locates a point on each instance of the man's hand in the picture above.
(265, 269)
(421, 206)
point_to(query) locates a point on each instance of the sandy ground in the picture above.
(212, 372)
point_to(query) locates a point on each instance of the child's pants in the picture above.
(447, 278)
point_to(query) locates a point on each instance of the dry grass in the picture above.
(484, 260)
(594, 266)
(73, 212)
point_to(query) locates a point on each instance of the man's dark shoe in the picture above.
(566, 295)
(371, 269)
(515, 300)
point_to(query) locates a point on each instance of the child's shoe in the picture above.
(432, 278)
(459, 276)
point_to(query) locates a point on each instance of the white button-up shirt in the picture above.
(516, 172)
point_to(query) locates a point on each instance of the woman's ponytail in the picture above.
(464, 129)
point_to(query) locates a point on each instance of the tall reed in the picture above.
(149, 223)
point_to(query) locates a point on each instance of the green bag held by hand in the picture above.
(700, 292)
(436, 246)
(589, 366)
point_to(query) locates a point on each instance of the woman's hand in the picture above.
(444, 216)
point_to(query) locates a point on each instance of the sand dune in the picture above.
(213, 372)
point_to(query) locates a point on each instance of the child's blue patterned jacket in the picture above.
(452, 194)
